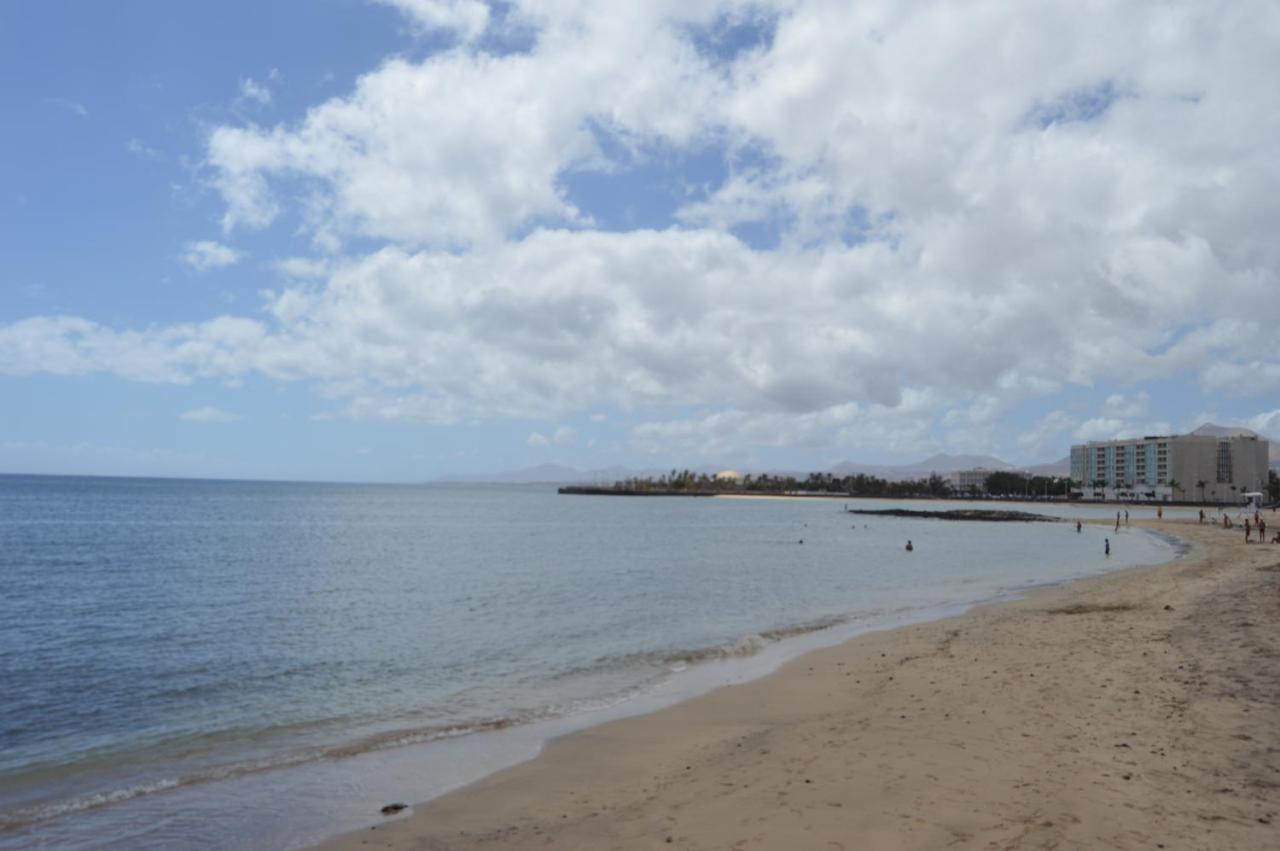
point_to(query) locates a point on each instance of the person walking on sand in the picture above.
(1117, 521)
(1202, 517)
(1159, 512)
(1126, 517)
(1246, 530)
(1106, 542)
(1262, 531)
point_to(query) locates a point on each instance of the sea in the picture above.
(262, 665)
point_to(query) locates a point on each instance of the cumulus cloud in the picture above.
(204, 255)
(466, 17)
(975, 205)
(252, 90)
(468, 147)
(1267, 423)
(1114, 428)
(1119, 405)
(208, 414)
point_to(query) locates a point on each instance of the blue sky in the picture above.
(396, 240)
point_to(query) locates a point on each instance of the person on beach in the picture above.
(1126, 517)
(1077, 527)
(1246, 531)
(1159, 512)
(1202, 517)
(1262, 531)
(1106, 542)
(910, 548)
(1117, 521)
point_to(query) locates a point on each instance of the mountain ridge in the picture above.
(941, 463)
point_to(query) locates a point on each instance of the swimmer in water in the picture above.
(909, 546)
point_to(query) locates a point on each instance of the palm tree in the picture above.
(1175, 485)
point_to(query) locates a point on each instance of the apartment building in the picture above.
(1177, 467)
(970, 481)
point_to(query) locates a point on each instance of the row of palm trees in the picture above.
(1174, 485)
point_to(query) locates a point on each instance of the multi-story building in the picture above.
(1181, 466)
(970, 481)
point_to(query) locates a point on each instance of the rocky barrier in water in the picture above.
(980, 514)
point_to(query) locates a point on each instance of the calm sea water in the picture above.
(233, 664)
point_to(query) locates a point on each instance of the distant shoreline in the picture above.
(609, 490)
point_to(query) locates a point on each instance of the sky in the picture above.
(393, 240)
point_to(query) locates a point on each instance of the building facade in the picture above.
(970, 481)
(1177, 467)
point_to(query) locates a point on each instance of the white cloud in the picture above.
(252, 90)
(1266, 423)
(1091, 202)
(565, 436)
(467, 17)
(142, 150)
(538, 441)
(72, 106)
(302, 267)
(204, 255)
(466, 148)
(208, 414)
(1046, 436)
(1112, 428)
(1119, 405)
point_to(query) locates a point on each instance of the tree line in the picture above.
(857, 484)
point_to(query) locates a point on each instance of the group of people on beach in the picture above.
(1260, 525)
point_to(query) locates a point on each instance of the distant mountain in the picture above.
(942, 464)
(1211, 430)
(1061, 467)
(554, 474)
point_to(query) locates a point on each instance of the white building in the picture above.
(970, 481)
(1172, 467)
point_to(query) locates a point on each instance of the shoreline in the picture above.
(918, 726)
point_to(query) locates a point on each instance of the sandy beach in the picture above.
(1136, 710)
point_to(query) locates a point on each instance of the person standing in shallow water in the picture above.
(910, 548)
(1106, 542)
(1077, 527)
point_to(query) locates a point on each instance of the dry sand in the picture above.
(1136, 710)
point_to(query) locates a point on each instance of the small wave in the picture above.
(26, 816)
(742, 647)
(43, 812)
(751, 644)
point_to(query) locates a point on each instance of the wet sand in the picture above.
(1135, 710)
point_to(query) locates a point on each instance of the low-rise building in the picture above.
(970, 481)
(1172, 467)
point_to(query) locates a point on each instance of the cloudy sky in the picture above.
(348, 239)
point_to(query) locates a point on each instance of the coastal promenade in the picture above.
(1136, 710)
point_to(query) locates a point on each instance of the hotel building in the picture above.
(970, 481)
(1150, 467)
